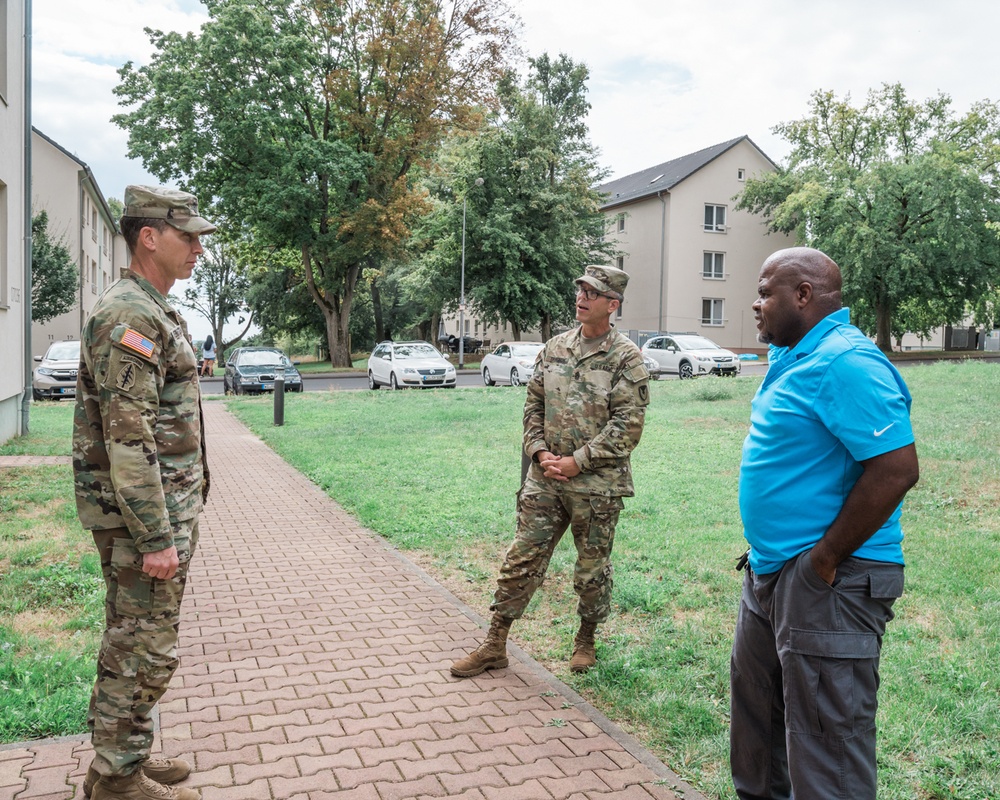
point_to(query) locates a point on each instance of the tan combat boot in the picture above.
(584, 649)
(162, 770)
(138, 787)
(491, 654)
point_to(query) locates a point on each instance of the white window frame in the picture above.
(620, 262)
(713, 320)
(741, 174)
(620, 223)
(713, 272)
(716, 226)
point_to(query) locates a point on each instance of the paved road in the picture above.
(358, 381)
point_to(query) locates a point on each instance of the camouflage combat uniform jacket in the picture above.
(591, 407)
(138, 443)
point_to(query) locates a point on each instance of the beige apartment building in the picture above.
(14, 165)
(79, 219)
(693, 259)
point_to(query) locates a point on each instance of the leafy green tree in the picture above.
(54, 276)
(534, 221)
(903, 195)
(306, 117)
(219, 287)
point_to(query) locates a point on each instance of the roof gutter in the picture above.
(26, 397)
(663, 258)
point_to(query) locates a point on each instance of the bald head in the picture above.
(798, 264)
(797, 288)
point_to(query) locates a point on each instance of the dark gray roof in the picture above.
(664, 177)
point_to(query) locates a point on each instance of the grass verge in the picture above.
(51, 590)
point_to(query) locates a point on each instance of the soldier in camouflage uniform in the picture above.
(583, 416)
(141, 478)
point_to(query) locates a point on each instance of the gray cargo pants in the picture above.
(804, 679)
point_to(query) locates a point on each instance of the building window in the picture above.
(715, 218)
(620, 262)
(714, 266)
(712, 310)
(741, 174)
(93, 224)
(621, 223)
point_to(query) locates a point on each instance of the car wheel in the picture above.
(371, 381)
(393, 383)
(37, 394)
(515, 379)
(685, 370)
(487, 378)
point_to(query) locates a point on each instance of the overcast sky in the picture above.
(668, 77)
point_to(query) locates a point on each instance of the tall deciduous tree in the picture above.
(905, 196)
(305, 117)
(535, 221)
(219, 287)
(54, 277)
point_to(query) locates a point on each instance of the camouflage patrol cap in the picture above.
(178, 209)
(607, 280)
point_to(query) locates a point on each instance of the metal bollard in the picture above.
(279, 396)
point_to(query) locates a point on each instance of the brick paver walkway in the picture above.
(315, 666)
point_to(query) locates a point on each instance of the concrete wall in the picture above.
(12, 224)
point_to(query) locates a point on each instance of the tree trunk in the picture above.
(883, 327)
(377, 312)
(515, 331)
(546, 327)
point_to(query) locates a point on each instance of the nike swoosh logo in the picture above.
(879, 433)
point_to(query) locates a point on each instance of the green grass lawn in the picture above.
(51, 590)
(436, 472)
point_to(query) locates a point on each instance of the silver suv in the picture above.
(689, 355)
(56, 375)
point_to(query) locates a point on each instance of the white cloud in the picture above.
(667, 76)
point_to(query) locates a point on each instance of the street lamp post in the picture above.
(461, 299)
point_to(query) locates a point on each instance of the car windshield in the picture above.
(263, 358)
(696, 343)
(526, 349)
(415, 351)
(63, 351)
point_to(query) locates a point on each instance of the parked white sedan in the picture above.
(510, 362)
(688, 355)
(418, 364)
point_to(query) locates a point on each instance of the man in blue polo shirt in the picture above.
(826, 464)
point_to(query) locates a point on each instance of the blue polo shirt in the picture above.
(826, 405)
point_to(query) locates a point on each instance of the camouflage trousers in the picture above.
(542, 519)
(138, 653)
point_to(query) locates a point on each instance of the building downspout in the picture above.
(660, 327)
(26, 291)
(79, 227)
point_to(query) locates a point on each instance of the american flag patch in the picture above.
(134, 340)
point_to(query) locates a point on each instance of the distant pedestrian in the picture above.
(826, 464)
(208, 357)
(141, 479)
(583, 416)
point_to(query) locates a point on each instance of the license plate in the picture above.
(267, 386)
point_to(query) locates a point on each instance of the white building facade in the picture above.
(14, 231)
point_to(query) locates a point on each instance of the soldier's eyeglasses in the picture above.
(593, 294)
